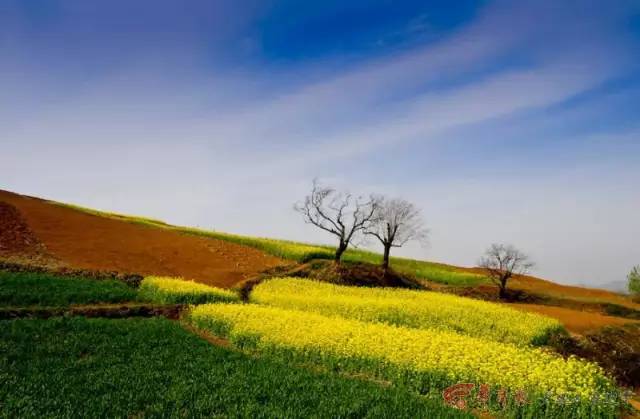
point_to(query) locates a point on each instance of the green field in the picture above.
(22, 289)
(76, 367)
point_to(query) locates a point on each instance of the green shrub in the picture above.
(634, 281)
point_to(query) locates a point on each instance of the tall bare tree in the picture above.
(502, 262)
(338, 213)
(395, 223)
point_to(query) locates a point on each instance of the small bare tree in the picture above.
(502, 262)
(338, 213)
(396, 222)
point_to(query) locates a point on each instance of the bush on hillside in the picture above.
(634, 281)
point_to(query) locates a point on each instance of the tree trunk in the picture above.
(385, 258)
(503, 288)
(339, 251)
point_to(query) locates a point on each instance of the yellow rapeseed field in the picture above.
(417, 309)
(168, 290)
(424, 359)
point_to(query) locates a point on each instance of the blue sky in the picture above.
(505, 121)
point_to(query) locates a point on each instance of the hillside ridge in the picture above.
(77, 239)
(232, 258)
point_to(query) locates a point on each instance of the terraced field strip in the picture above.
(109, 311)
(46, 289)
(428, 361)
(416, 309)
(45, 295)
(166, 290)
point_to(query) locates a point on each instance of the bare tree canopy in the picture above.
(395, 223)
(503, 261)
(338, 213)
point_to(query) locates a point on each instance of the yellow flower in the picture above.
(180, 291)
(417, 309)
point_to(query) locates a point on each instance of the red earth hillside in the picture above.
(531, 284)
(32, 227)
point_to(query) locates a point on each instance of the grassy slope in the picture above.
(76, 367)
(303, 252)
(23, 289)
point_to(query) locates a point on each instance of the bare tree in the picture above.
(396, 222)
(338, 213)
(502, 262)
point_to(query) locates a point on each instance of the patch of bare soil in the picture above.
(353, 273)
(614, 348)
(575, 321)
(531, 285)
(16, 238)
(85, 241)
(553, 289)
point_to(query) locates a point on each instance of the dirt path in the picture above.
(86, 241)
(109, 311)
(575, 321)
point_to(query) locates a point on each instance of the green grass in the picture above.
(431, 271)
(115, 215)
(21, 289)
(76, 367)
(304, 252)
(285, 249)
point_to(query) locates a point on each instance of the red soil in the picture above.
(541, 286)
(535, 285)
(16, 238)
(85, 241)
(575, 321)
